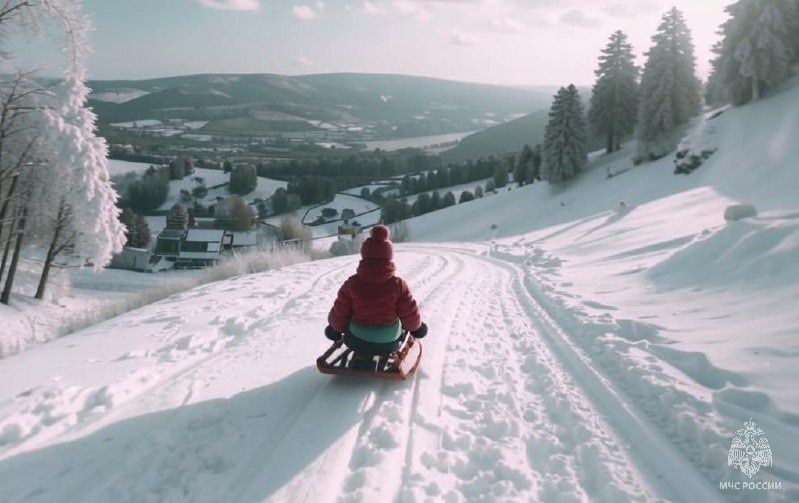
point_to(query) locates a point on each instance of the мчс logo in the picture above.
(750, 450)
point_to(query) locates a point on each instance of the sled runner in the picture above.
(338, 360)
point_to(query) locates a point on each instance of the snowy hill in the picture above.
(594, 352)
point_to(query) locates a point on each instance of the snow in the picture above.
(212, 177)
(195, 124)
(217, 400)
(77, 297)
(367, 213)
(138, 123)
(457, 190)
(198, 137)
(736, 212)
(119, 95)
(431, 142)
(205, 235)
(118, 168)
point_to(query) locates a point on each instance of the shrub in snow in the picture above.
(400, 232)
(739, 211)
(291, 229)
(687, 162)
(346, 246)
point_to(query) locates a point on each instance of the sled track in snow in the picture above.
(658, 459)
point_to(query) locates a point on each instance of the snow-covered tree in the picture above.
(614, 101)
(565, 151)
(70, 200)
(670, 90)
(760, 40)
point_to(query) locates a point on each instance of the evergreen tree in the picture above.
(422, 204)
(716, 92)
(565, 137)
(137, 231)
(534, 174)
(448, 200)
(763, 33)
(614, 101)
(670, 91)
(435, 201)
(243, 179)
(500, 176)
(522, 167)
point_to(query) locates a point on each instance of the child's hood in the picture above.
(376, 271)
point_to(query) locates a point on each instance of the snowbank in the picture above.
(80, 297)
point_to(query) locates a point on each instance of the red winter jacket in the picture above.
(374, 297)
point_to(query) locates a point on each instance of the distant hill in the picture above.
(510, 137)
(505, 138)
(402, 105)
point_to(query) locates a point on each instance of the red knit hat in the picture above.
(377, 245)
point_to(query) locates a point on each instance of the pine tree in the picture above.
(670, 90)
(716, 91)
(522, 168)
(565, 138)
(614, 101)
(500, 176)
(765, 51)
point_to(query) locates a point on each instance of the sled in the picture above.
(397, 365)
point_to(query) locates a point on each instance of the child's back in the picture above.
(374, 296)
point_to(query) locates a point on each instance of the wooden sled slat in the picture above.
(397, 366)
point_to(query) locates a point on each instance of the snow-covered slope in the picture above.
(211, 395)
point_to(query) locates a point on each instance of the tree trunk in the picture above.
(4, 206)
(755, 89)
(51, 253)
(12, 269)
(6, 250)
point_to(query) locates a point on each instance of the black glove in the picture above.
(420, 332)
(332, 334)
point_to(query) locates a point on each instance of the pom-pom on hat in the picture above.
(377, 245)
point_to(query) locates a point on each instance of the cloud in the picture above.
(413, 8)
(627, 8)
(231, 4)
(576, 17)
(461, 38)
(306, 12)
(507, 25)
(370, 8)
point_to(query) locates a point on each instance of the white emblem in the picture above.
(750, 450)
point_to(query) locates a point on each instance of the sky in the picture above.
(509, 42)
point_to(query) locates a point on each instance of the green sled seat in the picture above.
(374, 340)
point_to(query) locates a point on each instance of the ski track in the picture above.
(502, 408)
